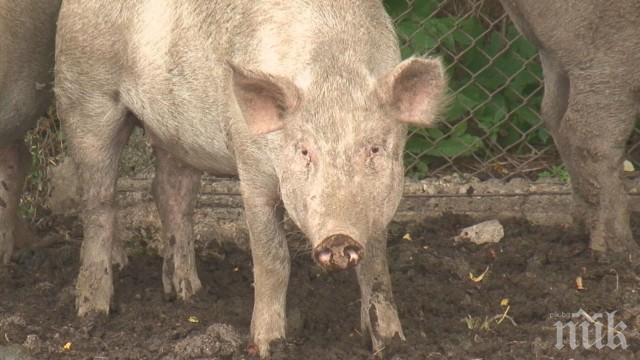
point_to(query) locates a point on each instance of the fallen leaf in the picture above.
(479, 277)
(504, 315)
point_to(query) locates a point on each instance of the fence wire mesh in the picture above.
(493, 128)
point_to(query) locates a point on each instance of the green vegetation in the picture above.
(494, 82)
(555, 172)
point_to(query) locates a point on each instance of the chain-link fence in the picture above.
(493, 126)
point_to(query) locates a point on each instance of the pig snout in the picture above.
(338, 252)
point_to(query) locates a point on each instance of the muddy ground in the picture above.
(445, 314)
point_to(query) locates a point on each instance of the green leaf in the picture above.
(472, 27)
(456, 109)
(528, 116)
(434, 133)
(406, 52)
(492, 122)
(443, 31)
(474, 60)
(454, 147)
(406, 28)
(424, 8)
(396, 7)
(472, 97)
(509, 136)
(419, 170)
(524, 48)
(417, 143)
(544, 136)
(491, 79)
(509, 64)
(459, 129)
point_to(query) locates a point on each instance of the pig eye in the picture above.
(306, 154)
(375, 150)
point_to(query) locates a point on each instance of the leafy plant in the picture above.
(555, 172)
(495, 83)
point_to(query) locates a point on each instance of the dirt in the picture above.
(510, 313)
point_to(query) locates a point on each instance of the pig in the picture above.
(590, 55)
(307, 102)
(27, 39)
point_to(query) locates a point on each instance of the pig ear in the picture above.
(415, 91)
(265, 100)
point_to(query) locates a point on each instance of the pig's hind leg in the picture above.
(97, 131)
(175, 188)
(591, 139)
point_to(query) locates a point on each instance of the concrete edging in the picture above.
(219, 215)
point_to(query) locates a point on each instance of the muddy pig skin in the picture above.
(27, 38)
(307, 102)
(590, 56)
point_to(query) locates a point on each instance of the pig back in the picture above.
(583, 32)
(168, 62)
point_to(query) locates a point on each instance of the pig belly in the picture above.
(193, 130)
(215, 160)
(203, 150)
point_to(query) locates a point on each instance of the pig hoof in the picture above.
(382, 322)
(94, 289)
(119, 257)
(271, 334)
(180, 283)
(187, 286)
(6, 248)
(96, 305)
(260, 349)
(338, 252)
(252, 350)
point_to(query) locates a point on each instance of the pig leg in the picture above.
(271, 268)
(378, 313)
(556, 91)
(118, 254)
(14, 164)
(97, 133)
(175, 188)
(554, 106)
(592, 138)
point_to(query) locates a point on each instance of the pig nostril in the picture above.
(324, 257)
(338, 252)
(353, 256)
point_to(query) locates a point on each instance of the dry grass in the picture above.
(47, 147)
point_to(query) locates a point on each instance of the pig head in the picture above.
(339, 154)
